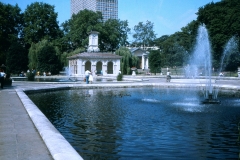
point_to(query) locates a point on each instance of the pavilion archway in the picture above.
(88, 66)
(110, 68)
(99, 67)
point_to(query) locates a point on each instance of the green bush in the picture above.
(119, 77)
(30, 76)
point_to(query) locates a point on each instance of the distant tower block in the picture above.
(109, 8)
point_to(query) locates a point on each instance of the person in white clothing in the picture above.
(90, 78)
(87, 76)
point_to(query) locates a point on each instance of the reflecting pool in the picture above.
(144, 123)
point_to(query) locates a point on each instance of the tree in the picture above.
(144, 34)
(113, 34)
(64, 43)
(109, 35)
(48, 60)
(155, 61)
(124, 30)
(127, 61)
(44, 57)
(187, 35)
(222, 21)
(40, 23)
(64, 55)
(176, 48)
(11, 23)
(81, 24)
(17, 58)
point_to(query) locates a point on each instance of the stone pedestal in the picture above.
(133, 73)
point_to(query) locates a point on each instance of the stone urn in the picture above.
(133, 71)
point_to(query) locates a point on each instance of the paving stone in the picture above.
(19, 138)
(8, 149)
(8, 156)
(6, 125)
(29, 137)
(7, 141)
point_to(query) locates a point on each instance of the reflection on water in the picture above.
(144, 123)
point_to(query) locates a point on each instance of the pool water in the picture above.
(144, 123)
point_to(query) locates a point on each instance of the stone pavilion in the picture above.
(99, 63)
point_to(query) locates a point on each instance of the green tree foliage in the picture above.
(124, 31)
(176, 48)
(173, 53)
(80, 25)
(11, 23)
(119, 77)
(127, 61)
(64, 55)
(32, 57)
(155, 61)
(64, 43)
(222, 21)
(17, 58)
(44, 57)
(110, 35)
(187, 35)
(48, 60)
(40, 23)
(144, 34)
(113, 35)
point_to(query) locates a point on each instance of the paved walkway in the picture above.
(19, 137)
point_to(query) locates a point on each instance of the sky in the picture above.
(168, 16)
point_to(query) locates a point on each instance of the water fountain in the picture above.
(228, 50)
(202, 59)
(67, 74)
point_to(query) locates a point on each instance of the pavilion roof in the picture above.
(96, 55)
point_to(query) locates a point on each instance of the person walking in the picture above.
(91, 78)
(87, 72)
(168, 76)
(2, 75)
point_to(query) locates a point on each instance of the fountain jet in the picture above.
(202, 59)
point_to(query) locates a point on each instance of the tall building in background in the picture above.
(109, 8)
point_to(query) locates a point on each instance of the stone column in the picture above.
(147, 62)
(83, 70)
(104, 68)
(143, 62)
(69, 68)
(94, 69)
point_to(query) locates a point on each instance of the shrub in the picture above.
(30, 76)
(119, 77)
